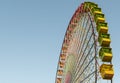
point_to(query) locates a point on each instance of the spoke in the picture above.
(87, 76)
(80, 48)
(84, 61)
(83, 54)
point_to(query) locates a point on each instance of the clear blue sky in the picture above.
(31, 36)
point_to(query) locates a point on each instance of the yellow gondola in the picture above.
(104, 40)
(105, 54)
(89, 5)
(92, 5)
(107, 71)
(102, 27)
(99, 18)
(96, 10)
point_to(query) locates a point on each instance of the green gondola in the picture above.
(96, 10)
(92, 5)
(102, 27)
(99, 18)
(104, 39)
(105, 54)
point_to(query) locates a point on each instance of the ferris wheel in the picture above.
(86, 55)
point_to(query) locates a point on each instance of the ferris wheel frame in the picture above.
(79, 57)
